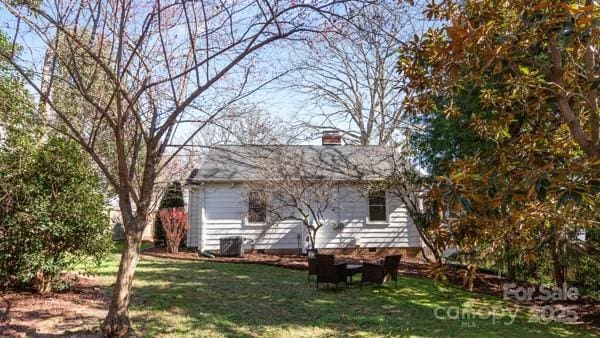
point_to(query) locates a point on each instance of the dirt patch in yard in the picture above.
(77, 312)
(587, 309)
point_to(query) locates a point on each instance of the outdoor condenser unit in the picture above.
(232, 246)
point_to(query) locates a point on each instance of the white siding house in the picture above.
(219, 207)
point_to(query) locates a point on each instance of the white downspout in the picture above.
(201, 219)
(189, 209)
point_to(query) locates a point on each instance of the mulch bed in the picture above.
(587, 309)
(76, 312)
(409, 265)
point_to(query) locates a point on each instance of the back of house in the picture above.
(223, 201)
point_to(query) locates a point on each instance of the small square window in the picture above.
(377, 208)
(257, 207)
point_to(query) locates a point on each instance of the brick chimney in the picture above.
(331, 138)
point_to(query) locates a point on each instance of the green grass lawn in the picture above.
(184, 298)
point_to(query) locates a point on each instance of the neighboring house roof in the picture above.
(261, 162)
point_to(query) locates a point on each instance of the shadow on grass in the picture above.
(203, 298)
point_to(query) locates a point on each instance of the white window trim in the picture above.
(256, 224)
(247, 214)
(368, 220)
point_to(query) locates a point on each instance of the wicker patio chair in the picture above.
(329, 272)
(380, 273)
(312, 267)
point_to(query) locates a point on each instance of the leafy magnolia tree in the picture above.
(52, 214)
(172, 198)
(542, 55)
(164, 64)
(175, 224)
(530, 67)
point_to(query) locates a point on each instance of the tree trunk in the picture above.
(558, 269)
(172, 247)
(510, 261)
(116, 323)
(313, 237)
(559, 275)
(43, 283)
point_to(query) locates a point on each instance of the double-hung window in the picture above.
(377, 208)
(257, 207)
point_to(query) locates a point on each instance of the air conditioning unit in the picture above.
(232, 246)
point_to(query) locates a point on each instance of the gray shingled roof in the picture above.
(261, 162)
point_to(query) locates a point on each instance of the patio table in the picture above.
(353, 269)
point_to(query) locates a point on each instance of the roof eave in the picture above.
(200, 181)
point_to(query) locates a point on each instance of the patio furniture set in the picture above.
(326, 270)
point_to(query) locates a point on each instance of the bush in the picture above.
(587, 274)
(172, 198)
(52, 213)
(174, 221)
